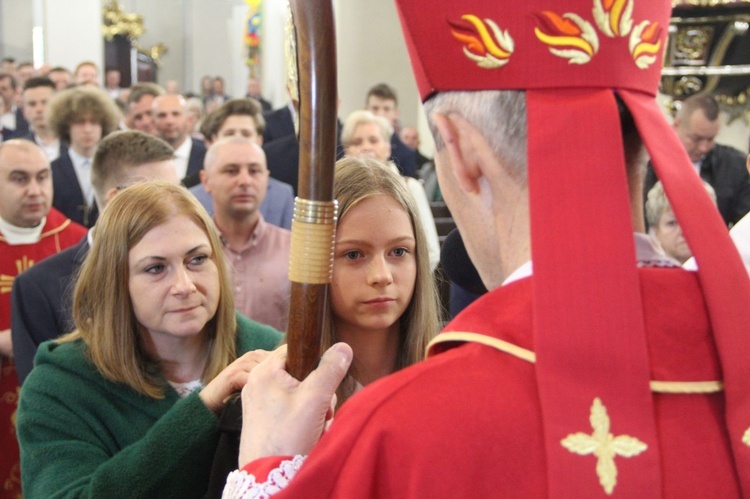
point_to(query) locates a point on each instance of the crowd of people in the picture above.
(71, 143)
(145, 238)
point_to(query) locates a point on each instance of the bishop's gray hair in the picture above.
(500, 115)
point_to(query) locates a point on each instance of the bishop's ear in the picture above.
(460, 139)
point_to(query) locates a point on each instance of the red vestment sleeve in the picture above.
(261, 468)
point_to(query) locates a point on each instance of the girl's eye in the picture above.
(400, 252)
(352, 255)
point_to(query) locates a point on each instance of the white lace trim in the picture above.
(241, 485)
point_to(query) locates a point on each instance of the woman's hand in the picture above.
(283, 416)
(230, 380)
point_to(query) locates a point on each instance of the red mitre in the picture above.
(572, 57)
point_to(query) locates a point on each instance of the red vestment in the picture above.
(467, 422)
(57, 234)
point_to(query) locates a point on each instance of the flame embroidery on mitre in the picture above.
(485, 43)
(614, 17)
(645, 43)
(568, 36)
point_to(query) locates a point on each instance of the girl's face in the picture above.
(174, 283)
(375, 267)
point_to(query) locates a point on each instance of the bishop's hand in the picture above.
(283, 416)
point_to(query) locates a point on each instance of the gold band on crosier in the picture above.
(313, 238)
(315, 212)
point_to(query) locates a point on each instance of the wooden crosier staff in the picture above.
(314, 222)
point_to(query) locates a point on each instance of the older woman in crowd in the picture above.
(663, 224)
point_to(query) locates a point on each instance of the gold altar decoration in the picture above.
(116, 22)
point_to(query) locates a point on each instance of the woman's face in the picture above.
(669, 235)
(368, 140)
(375, 267)
(174, 283)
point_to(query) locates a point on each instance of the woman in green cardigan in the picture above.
(127, 404)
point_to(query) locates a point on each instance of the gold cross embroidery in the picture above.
(603, 445)
(6, 281)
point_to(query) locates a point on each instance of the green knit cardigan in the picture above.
(82, 435)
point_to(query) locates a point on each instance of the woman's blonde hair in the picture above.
(362, 118)
(657, 202)
(357, 179)
(102, 306)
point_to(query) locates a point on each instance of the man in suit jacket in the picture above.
(41, 296)
(173, 126)
(283, 160)
(11, 118)
(37, 93)
(80, 116)
(722, 167)
(22, 126)
(283, 157)
(279, 123)
(195, 161)
(41, 303)
(74, 201)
